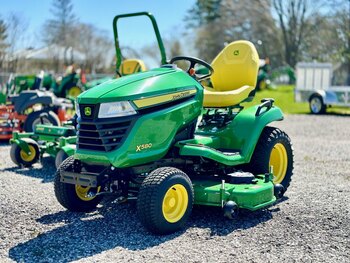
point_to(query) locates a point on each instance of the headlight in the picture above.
(116, 109)
(77, 109)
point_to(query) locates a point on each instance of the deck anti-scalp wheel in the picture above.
(274, 148)
(60, 157)
(165, 200)
(27, 159)
(75, 198)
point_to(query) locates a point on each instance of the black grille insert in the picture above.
(103, 134)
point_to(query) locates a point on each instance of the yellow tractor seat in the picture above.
(235, 75)
(131, 66)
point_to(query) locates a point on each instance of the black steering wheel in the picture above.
(193, 61)
(117, 73)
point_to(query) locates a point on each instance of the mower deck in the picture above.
(247, 196)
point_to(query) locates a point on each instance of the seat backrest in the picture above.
(235, 66)
(131, 66)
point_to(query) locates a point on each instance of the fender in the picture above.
(32, 97)
(235, 143)
(248, 127)
(328, 96)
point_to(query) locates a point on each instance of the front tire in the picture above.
(274, 148)
(165, 200)
(21, 158)
(74, 197)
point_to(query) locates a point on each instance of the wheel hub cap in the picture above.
(316, 105)
(279, 161)
(84, 192)
(175, 203)
(28, 157)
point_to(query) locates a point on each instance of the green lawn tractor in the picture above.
(67, 86)
(162, 138)
(58, 141)
(264, 81)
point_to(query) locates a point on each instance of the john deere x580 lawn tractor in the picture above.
(162, 138)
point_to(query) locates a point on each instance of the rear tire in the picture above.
(34, 118)
(73, 92)
(165, 200)
(21, 158)
(73, 197)
(317, 105)
(274, 148)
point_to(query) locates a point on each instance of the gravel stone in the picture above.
(310, 224)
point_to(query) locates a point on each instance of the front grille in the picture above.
(102, 134)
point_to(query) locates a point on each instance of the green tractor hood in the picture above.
(138, 86)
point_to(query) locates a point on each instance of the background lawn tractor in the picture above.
(145, 137)
(70, 85)
(23, 112)
(58, 142)
(264, 81)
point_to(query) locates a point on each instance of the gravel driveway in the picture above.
(311, 224)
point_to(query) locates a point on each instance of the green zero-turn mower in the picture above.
(58, 141)
(162, 138)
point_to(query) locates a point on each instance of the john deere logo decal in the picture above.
(87, 111)
(236, 52)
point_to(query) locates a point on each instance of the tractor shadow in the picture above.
(45, 170)
(79, 235)
(212, 218)
(4, 143)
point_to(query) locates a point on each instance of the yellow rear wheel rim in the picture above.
(82, 192)
(28, 157)
(175, 203)
(74, 92)
(279, 161)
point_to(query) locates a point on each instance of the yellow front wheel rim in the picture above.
(28, 157)
(82, 192)
(175, 203)
(74, 92)
(279, 161)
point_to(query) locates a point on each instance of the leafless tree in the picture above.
(294, 21)
(218, 22)
(17, 26)
(59, 29)
(96, 46)
(3, 44)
